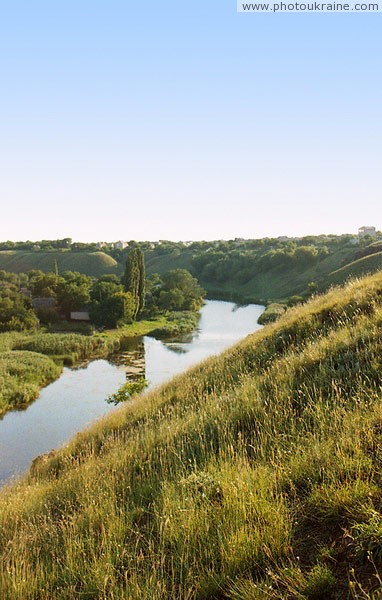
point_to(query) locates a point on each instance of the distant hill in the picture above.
(94, 264)
(165, 262)
(255, 271)
(271, 283)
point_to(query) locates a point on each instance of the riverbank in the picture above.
(28, 362)
(78, 396)
(22, 375)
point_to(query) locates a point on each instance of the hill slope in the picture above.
(244, 277)
(366, 264)
(273, 283)
(93, 264)
(255, 475)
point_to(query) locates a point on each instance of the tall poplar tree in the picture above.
(142, 280)
(134, 278)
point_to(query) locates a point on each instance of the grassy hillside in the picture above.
(165, 262)
(277, 283)
(366, 264)
(94, 264)
(249, 273)
(257, 474)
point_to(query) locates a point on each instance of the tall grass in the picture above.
(74, 344)
(22, 374)
(255, 475)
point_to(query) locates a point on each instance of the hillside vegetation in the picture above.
(268, 270)
(258, 270)
(94, 264)
(257, 474)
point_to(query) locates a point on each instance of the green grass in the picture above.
(29, 362)
(272, 312)
(94, 264)
(9, 339)
(367, 264)
(138, 328)
(58, 344)
(22, 374)
(167, 262)
(177, 323)
(257, 474)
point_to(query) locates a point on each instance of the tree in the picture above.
(180, 291)
(73, 292)
(134, 278)
(113, 310)
(142, 280)
(44, 284)
(16, 313)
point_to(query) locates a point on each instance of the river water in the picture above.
(78, 397)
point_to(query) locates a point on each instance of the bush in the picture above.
(273, 312)
(178, 323)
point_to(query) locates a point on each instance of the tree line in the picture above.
(110, 301)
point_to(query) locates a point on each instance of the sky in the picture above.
(168, 119)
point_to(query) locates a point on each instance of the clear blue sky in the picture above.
(164, 119)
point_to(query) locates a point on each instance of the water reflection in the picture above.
(176, 347)
(132, 358)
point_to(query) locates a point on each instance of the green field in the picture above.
(94, 264)
(257, 474)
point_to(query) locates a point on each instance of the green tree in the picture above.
(73, 292)
(142, 281)
(180, 291)
(110, 306)
(44, 284)
(134, 278)
(16, 313)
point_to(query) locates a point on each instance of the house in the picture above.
(80, 315)
(120, 245)
(44, 303)
(363, 231)
(101, 244)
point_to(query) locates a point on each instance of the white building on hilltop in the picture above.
(363, 231)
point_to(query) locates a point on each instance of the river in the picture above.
(78, 397)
